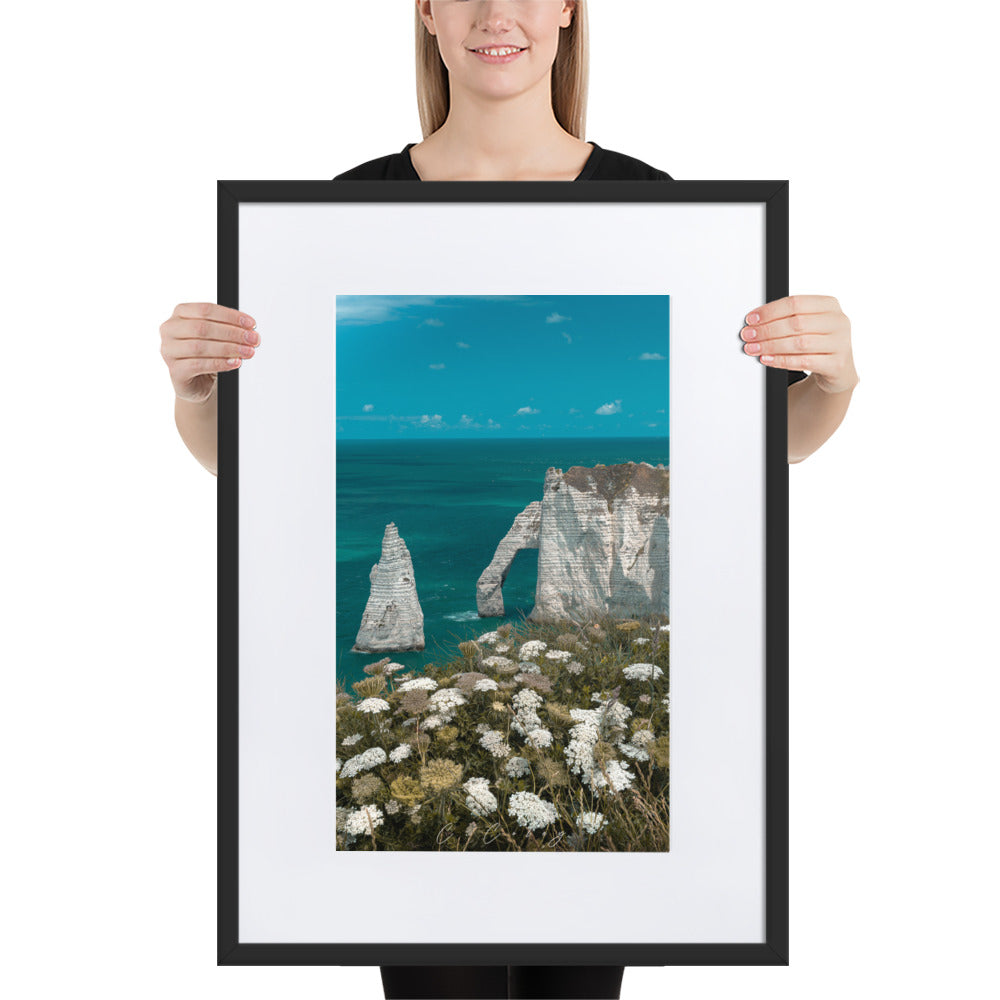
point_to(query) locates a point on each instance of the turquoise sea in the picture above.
(452, 501)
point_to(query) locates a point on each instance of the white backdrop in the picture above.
(118, 120)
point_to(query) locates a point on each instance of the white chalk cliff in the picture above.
(603, 545)
(393, 620)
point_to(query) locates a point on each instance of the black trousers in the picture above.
(489, 982)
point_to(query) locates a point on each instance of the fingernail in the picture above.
(767, 358)
(247, 321)
(753, 318)
(750, 333)
(752, 348)
(252, 338)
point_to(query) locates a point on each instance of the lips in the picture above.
(510, 56)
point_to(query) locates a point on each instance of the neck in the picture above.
(501, 138)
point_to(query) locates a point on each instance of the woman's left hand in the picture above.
(804, 333)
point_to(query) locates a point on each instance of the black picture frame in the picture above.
(773, 950)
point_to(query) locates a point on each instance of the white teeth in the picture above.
(498, 52)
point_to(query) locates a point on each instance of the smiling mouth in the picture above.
(507, 54)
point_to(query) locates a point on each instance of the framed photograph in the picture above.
(503, 592)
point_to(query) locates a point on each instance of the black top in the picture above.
(602, 165)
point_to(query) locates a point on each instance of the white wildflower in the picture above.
(336, 765)
(494, 742)
(419, 684)
(617, 773)
(374, 705)
(666, 701)
(559, 655)
(591, 822)
(498, 663)
(579, 753)
(486, 684)
(641, 641)
(489, 637)
(574, 667)
(363, 762)
(540, 738)
(480, 800)
(502, 647)
(433, 721)
(526, 699)
(641, 737)
(392, 807)
(358, 821)
(530, 811)
(446, 699)
(391, 668)
(349, 741)
(662, 628)
(532, 648)
(610, 716)
(401, 752)
(636, 753)
(642, 672)
(525, 717)
(518, 767)
(530, 668)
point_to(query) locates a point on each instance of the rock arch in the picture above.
(524, 534)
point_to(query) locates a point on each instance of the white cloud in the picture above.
(374, 310)
(436, 368)
(652, 425)
(367, 408)
(432, 322)
(432, 421)
(569, 339)
(556, 318)
(651, 356)
(573, 409)
(525, 411)
(462, 344)
(492, 425)
(609, 408)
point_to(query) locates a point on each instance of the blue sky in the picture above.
(502, 366)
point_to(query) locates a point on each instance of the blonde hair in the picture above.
(569, 76)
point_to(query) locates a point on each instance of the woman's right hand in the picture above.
(199, 340)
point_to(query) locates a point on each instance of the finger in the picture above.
(792, 362)
(810, 343)
(800, 323)
(174, 349)
(181, 328)
(219, 314)
(790, 305)
(184, 371)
